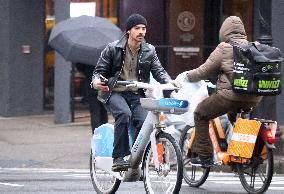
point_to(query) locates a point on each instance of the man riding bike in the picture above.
(129, 58)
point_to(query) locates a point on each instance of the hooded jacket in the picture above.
(220, 61)
(112, 59)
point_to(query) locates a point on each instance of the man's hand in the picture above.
(176, 83)
(98, 84)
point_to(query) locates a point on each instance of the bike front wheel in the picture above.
(103, 182)
(194, 176)
(257, 175)
(168, 178)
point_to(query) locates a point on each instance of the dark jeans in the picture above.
(210, 108)
(125, 108)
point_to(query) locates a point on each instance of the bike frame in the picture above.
(150, 128)
(147, 134)
(218, 153)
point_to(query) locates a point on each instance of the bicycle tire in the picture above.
(190, 172)
(175, 165)
(99, 188)
(269, 173)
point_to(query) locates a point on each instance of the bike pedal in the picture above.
(199, 165)
(120, 168)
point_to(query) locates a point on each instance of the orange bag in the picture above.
(244, 137)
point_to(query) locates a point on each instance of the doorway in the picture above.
(193, 29)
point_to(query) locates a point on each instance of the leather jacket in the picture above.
(112, 59)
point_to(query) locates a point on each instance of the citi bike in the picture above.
(249, 153)
(157, 150)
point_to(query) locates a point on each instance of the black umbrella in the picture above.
(81, 39)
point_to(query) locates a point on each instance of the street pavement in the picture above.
(37, 155)
(77, 181)
(37, 142)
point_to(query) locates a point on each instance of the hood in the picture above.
(232, 29)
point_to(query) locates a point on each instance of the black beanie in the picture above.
(134, 20)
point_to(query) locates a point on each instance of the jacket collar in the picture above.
(123, 41)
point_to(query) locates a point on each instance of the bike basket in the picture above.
(102, 140)
(244, 137)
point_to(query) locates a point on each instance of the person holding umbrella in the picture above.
(97, 110)
(129, 58)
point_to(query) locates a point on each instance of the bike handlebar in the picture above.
(124, 83)
(143, 85)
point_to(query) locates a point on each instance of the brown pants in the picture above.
(210, 108)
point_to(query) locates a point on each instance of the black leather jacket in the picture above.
(111, 61)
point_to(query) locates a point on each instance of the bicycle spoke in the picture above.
(194, 176)
(168, 177)
(252, 178)
(103, 182)
(261, 175)
(193, 172)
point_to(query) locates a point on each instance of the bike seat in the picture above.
(166, 105)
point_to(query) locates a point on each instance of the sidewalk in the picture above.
(36, 142)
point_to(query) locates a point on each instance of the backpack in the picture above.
(257, 69)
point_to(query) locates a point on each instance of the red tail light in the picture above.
(269, 136)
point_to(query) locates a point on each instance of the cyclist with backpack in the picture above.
(221, 62)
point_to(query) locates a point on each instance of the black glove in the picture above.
(111, 82)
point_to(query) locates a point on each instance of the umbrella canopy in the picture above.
(81, 39)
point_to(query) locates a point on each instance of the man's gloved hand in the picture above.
(176, 83)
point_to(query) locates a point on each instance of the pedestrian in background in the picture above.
(97, 110)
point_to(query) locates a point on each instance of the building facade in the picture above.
(21, 57)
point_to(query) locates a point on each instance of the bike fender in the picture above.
(271, 146)
(169, 129)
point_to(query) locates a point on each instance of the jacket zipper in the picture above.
(138, 67)
(123, 51)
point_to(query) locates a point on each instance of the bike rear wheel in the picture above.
(194, 176)
(102, 181)
(168, 178)
(257, 175)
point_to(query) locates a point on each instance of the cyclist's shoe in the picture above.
(119, 164)
(204, 162)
